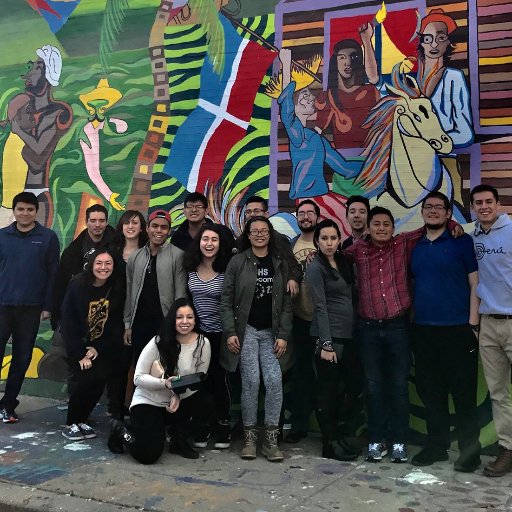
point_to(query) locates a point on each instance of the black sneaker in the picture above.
(376, 451)
(9, 416)
(180, 446)
(201, 440)
(428, 456)
(73, 433)
(467, 463)
(295, 436)
(87, 431)
(223, 440)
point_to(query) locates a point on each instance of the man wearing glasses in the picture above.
(445, 344)
(195, 208)
(303, 376)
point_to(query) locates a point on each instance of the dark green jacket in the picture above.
(236, 300)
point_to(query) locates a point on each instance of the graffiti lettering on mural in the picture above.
(97, 102)
(37, 122)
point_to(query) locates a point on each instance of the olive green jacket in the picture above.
(236, 300)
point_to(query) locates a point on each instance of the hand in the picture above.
(328, 356)
(280, 347)
(285, 56)
(366, 32)
(233, 344)
(115, 204)
(91, 353)
(311, 257)
(85, 363)
(457, 231)
(45, 315)
(292, 287)
(127, 338)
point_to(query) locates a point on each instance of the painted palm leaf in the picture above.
(115, 13)
(208, 17)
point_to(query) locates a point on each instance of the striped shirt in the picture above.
(206, 298)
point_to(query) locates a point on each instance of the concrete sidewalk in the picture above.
(40, 470)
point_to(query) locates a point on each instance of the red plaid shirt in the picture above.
(383, 275)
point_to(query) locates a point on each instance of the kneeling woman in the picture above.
(257, 316)
(92, 329)
(177, 351)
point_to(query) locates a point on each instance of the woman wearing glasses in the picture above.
(445, 86)
(257, 319)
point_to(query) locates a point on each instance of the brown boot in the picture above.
(501, 466)
(270, 448)
(250, 440)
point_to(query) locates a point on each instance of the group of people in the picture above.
(338, 318)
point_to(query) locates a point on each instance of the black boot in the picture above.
(332, 448)
(120, 437)
(179, 446)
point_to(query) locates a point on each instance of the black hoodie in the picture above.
(73, 261)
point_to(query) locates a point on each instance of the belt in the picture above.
(501, 317)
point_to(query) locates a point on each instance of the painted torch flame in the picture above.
(381, 14)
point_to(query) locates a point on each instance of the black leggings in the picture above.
(148, 424)
(218, 378)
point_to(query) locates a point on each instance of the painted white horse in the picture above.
(402, 149)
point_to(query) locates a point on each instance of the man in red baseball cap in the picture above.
(155, 278)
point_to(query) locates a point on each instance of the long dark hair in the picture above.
(125, 219)
(344, 268)
(194, 256)
(358, 70)
(245, 243)
(168, 346)
(115, 282)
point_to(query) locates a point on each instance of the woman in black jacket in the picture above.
(92, 329)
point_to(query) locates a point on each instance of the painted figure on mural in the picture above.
(403, 157)
(97, 102)
(346, 103)
(308, 149)
(37, 122)
(445, 86)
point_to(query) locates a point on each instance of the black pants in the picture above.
(142, 333)
(446, 361)
(303, 379)
(148, 424)
(217, 382)
(87, 386)
(22, 323)
(330, 375)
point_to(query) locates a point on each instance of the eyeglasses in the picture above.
(429, 38)
(310, 215)
(256, 232)
(193, 207)
(436, 207)
(256, 211)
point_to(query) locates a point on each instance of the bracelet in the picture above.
(327, 346)
(475, 327)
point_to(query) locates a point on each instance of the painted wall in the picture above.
(134, 103)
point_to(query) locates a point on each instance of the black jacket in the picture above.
(72, 262)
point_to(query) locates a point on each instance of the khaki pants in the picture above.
(496, 352)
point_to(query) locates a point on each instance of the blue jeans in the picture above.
(386, 357)
(22, 323)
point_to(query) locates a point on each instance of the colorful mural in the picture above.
(136, 103)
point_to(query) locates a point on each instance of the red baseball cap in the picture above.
(159, 214)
